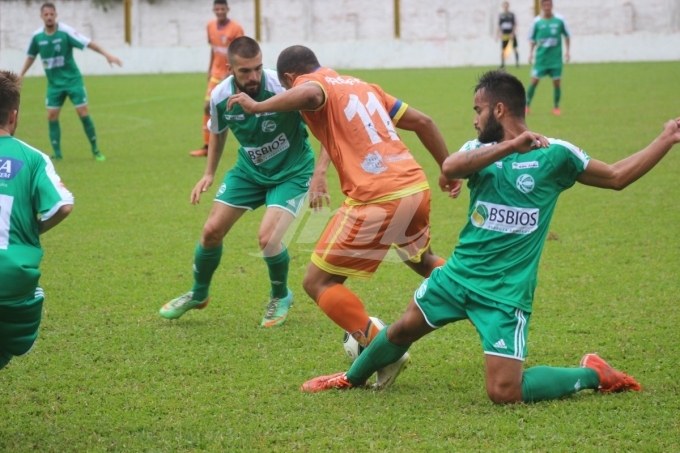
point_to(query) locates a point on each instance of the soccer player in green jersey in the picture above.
(32, 201)
(546, 37)
(515, 177)
(55, 43)
(274, 166)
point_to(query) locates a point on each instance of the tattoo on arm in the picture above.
(471, 156)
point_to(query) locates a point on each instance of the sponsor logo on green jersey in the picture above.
(504, 219)
(265, 152)
(525, 183)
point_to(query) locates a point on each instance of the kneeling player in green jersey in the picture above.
(32, 200)
(55, 43)
(274, 166)
(546, 37)
(515, 178)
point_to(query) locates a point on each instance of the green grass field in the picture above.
(109, 374)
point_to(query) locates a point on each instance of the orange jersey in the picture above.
(356, 125)
(219, 38)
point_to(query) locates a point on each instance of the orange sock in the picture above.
(440, 262)
(346, 310)
(206, 131)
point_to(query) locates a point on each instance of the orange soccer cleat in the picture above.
(201, 152)
(611, 380)
(557, 111)
(321, 383)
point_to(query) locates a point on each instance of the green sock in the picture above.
(278, 272)
(548, 383)
(55, 137)
(205, 264)
(556, 96)
(530, 93)
(380, 353)
(88, 125)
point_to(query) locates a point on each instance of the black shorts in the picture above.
(504, 42)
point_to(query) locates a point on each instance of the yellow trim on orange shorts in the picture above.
(402, 193)
(337, 270)
(337, 233)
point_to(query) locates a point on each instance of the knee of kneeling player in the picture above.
(504, 394)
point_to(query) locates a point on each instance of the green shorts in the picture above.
(57, 96)
(554, 72)
(501, 327)
(241, 191)
(19, 322)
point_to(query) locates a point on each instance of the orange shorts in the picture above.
(359, 236)
(212, 83)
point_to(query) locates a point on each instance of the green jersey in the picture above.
(274, 146)
(511, 204)
(547, 35)
(29, 187)
(56, 53)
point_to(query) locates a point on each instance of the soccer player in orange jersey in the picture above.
(221, 31)
(388, 197)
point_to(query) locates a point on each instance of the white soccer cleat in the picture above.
(387, 375)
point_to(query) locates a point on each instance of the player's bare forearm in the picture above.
(322, 163)
(216, 144)
(61, 214)
(308, 96)
(427, 131)
(464, 163)
(623, 173)
(27, 64)
(109, 58)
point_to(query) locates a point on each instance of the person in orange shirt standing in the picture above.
(388, 197)
(221, 31)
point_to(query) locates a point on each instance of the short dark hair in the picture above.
(10, 95)
(48, 5)
(220, 2)
(244, 47)
(501, 87)
(296, 60)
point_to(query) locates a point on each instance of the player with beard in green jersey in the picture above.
(274, 166)
(55, 43)
(32, 200)
(515, 177)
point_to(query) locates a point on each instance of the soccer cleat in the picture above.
(611, 380)
(527, 110)
(277, 310)
(201, 152)
(557, 111)
(99, 157)
(56, 157)
(334, 381)
(387, 375)
(177, 307)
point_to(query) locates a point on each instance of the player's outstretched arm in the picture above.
(308, 96)
(464, 163)
(61, 214)
(215, 148)
(318, 186)
(27, 64)
(110, 58)
(623, 173)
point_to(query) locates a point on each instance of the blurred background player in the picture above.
(515, 178)
(221, 32)
(546, 37)
(388, 196)
(54, 43)
(506, 31)
(275, 162)
(32, 200)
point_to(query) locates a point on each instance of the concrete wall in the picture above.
(169, 35)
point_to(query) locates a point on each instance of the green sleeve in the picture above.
(33, 49)
(569, 162)
(49, 193)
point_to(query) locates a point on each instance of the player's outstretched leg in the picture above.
(610, 379)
